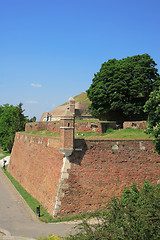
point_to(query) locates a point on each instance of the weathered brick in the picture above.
(97, 171)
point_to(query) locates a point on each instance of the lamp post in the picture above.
(4, 165)
(38, 211)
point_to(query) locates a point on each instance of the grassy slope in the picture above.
(128, 133)
(43, 132)
(80, 98)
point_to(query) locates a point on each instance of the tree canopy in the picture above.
(152, 108)
(12, 120)
(123, 86)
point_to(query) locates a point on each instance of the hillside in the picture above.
(82, 97)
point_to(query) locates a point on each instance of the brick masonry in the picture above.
(96, 171)
(103, 168)
(49, 126)
(36, 164)
(135, 124)
(99, 127)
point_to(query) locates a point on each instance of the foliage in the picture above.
(135, 215)
(33, 119)
(122, 87)
(152, 107)
(12, 120)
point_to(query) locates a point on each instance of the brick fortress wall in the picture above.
(103, 168)
(99, 127)
(49, 126)
(36, 164)
(96, 171)
(135, 124)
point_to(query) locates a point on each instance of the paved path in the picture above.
(18, 219)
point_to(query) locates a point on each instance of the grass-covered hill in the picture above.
(82, 97)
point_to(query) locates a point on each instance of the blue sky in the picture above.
(50, 49)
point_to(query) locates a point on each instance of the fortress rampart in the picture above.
(36, 163)
(95, 171)
(83, 126)
(99, 127)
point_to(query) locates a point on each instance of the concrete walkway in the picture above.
(17, 218)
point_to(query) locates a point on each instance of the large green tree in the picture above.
(12, 120)
(152, 108)
(122, 87)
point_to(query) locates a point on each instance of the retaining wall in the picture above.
(102, 170)
(36, 164)
(98, 127)
(135, 124)
(96, 171)
(49, 126)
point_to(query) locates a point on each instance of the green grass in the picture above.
(128, 133)
(5, 154)
(82, 97)
(32, 202)
(43, 132)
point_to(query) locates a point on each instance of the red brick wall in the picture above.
(101, 171)
(135, 124)
(53, 127)
(36, 163)
(37, 126)
(98, 127)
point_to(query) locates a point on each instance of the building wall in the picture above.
(81, 105)
(103, 168)
(96, 171)
(36, 164)
(135, 124)
(98, 127)
(49, 126)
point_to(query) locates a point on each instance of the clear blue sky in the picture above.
(50, 49)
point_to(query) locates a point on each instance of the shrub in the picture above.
(135, 215)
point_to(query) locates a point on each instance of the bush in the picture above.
(135, 215)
